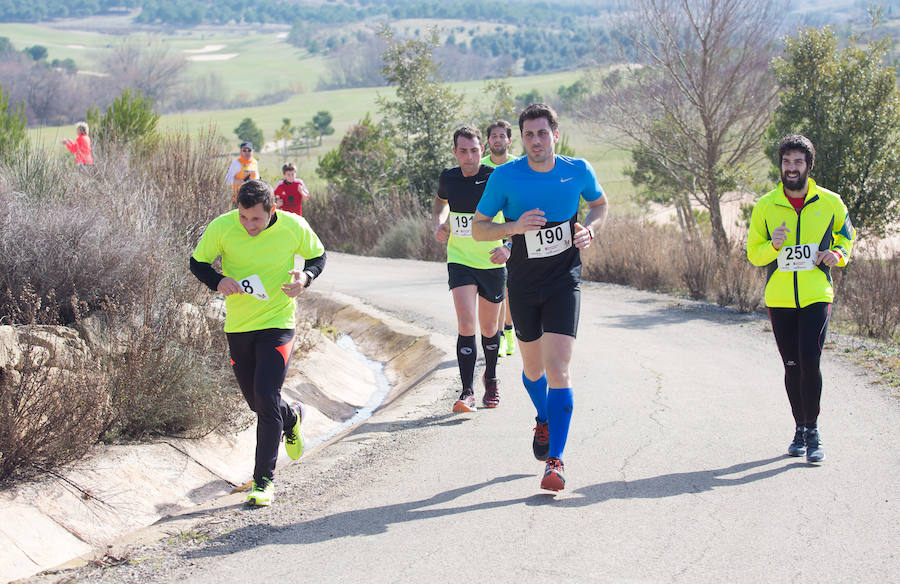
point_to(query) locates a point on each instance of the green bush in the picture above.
(130, 119)
(12, 126)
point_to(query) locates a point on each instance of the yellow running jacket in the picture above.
(822, 221)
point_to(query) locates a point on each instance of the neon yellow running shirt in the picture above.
(462, 194)
(260, 265)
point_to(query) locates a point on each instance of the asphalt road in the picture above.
(675, 466)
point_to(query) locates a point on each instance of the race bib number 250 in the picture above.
(797, 258)
(542, 243)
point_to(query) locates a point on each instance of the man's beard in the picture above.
(499, 152)
(797, 184)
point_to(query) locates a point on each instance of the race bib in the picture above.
(461, 224)
(798, 258)
(542, 243)
(253, 286)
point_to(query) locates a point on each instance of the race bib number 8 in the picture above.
(551, 241)
(798, 258)
(253, 286)
(461, 224)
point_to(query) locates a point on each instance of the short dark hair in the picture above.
(254, 192)
(536, 111)
(797, 142)
(500, 124)
(288, 166)
(467, 132)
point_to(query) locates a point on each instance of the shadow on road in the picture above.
(375, 520)
(675, 314)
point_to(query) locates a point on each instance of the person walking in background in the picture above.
(539, 195)
(799, 231)
(81, 146)
(259, 280)
(243, 168)
(499, 137)
(290, 192)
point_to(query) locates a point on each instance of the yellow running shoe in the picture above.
(261, 494)
(293, 437)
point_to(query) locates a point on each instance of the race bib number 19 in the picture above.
(797, 258)
(542, 243)
(461, 224)
(253, 286)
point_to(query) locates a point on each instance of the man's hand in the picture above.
(442, 233)
(528, 221)
(780, 235)
(297, 284)
(279, 202)
(229, 286)
(827, 257)
(582, 238)
(500, 254)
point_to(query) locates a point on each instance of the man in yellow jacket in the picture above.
(799, 231)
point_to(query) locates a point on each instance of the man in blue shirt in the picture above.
(539, 195)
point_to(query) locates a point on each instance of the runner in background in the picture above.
(290, 192)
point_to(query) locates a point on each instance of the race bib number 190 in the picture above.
(542, 243)
(253, 286)
(797, 258)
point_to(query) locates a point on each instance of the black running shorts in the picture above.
(555, 311)
(491, 283)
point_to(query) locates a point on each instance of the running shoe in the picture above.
(465, 403)
(261, 494)
(501, 350)
(814, 450)
(553, 480)
(541, 442)
(491, 393)
(798, 446)
(293, 437)
(510, 343)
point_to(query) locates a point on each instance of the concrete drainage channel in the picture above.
(119, 489)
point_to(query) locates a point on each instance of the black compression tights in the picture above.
(800, 334)
(260, 361)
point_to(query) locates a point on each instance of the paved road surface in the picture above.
(675, 465)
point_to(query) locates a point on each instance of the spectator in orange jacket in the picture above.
(243, 168)
(81, 147)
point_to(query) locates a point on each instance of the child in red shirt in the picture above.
(290, 192)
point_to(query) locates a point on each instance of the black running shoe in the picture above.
(798, 446)
(541, 442)
(814, 450)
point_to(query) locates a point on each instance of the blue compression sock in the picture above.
(537, 391)
(559, 412)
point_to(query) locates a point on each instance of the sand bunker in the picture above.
(79, 47)
(206, 49)
(281, 35)
(219, 57)
(92, 73)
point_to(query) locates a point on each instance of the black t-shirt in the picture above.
(463, 193)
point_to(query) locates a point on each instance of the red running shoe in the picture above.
(465, 403)
(553, 480)
(491, 393)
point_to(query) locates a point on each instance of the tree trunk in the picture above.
(720, 238)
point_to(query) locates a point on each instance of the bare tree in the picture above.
(700, 95)
(147, 66)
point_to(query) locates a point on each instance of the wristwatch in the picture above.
(309, 278)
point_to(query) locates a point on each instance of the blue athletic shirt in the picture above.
(515, 188)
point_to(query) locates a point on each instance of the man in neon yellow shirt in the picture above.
(499, 135)
(476, 271)
(258, 246)
(799, 232)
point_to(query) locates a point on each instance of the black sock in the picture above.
(507, 327)
(466, 354)
(491, 346)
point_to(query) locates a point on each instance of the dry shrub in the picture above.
(48, 415)
(634, 253)
(739, 283)
(346, 224)
(698, 266)
(868, 292)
